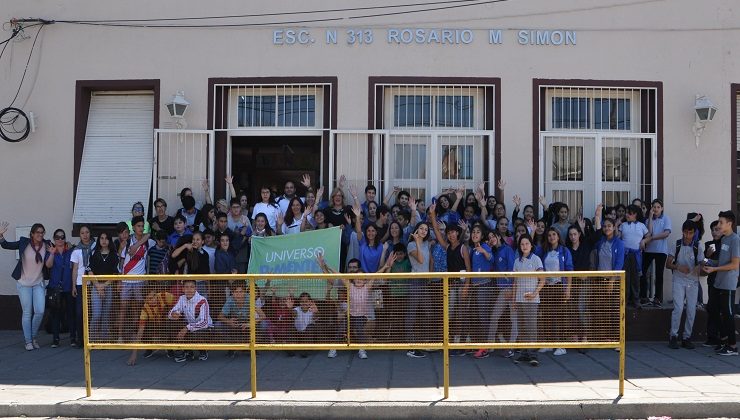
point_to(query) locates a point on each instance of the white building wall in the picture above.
(647, 41)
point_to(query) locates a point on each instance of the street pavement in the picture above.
(660, 382)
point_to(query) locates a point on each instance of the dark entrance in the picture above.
(273, 160)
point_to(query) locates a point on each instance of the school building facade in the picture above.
(579, 101)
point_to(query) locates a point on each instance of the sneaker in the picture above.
(416, 354)
(727, 351)
(523, 358)
(29, 346)
(718, 347)
(509, 354)
(180, 357)
(190, 355)
(673, 342)
(657, 303)
(543, 350)
(559, 352)
(687, 344)
(533, 361)
(203, 355)
(332, 354)
(231, 354)
(73, 343)
(148, 354)
(362, 354)
(170, 354)
(55, 344)
(480, 354)
(458, 353)
(35, 344)
(469, 351)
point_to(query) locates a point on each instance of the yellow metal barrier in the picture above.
(151, 298)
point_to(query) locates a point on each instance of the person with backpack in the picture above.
(685, 263)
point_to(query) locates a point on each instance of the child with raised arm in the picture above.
(193, 315)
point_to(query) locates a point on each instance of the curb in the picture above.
(372, 409)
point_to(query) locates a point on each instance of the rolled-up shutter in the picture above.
(117, 159)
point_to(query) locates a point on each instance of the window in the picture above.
(412, 110)
(571, 113)
(434, 136)
(575, 113)
(612, 114)
(276, 110)
(598, 144)
(567, 163)
(455, 111)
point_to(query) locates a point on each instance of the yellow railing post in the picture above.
(622, 330)
(349, 340)
(86, 337)
(446, 334)
(252, 336)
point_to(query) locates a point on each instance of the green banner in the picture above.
(295, 253)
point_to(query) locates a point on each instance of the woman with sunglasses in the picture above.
(60, 285)
(29, 275)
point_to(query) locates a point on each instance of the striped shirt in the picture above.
(155, 308)
(358, 300)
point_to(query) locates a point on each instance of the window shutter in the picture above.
(116, 168)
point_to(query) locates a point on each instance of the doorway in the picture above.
(273, 160)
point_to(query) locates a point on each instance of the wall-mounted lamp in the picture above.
(177, 106)
(704, 111)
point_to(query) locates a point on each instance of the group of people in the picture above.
(456, 231)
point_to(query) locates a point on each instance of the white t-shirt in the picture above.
(78, 258)
(269, 210)
(284, 202)
(302, 319)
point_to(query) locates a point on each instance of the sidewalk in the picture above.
(660, 382)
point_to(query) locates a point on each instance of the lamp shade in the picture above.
(178, 105)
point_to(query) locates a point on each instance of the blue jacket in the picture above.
(503, 261)
(61, 272)
(617, 252)
(566, 260)
(21, 245)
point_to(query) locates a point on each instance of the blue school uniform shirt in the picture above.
(370, 256)
(503, 261)
(479, 263)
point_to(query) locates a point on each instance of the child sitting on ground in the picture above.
(233, 322)
(192, 315)
(304, 319)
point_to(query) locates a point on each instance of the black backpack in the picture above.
(694, 247)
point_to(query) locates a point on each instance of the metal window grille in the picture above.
(597, 145)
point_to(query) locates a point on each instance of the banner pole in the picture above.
(622, 331)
